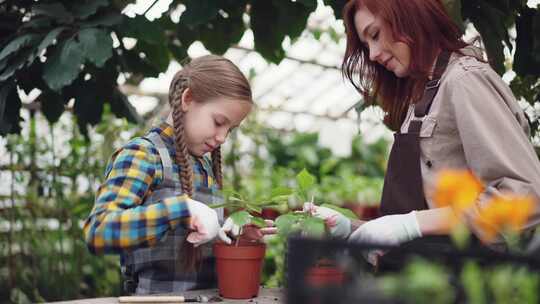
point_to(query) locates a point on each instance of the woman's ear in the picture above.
(187, 99)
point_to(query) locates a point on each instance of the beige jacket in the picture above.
(476, 123)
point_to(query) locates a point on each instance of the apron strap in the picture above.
(422, 108)
(432, 87)
(166, 160)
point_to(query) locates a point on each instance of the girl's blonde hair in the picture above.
(208, 77)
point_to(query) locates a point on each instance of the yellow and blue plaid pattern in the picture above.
(119, 221)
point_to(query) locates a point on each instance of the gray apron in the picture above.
(158, 269)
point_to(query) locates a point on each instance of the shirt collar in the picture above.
(166, 131)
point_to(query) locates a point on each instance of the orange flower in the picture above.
(458, 189)
(509, 212)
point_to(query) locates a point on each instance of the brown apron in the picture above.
(403, 189)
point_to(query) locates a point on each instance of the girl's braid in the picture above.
(189, 255)
(216, 167)
(179, 84)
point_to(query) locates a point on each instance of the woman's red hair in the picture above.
(424, 26)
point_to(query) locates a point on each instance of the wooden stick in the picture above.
(151, 299)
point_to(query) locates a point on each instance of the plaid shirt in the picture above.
(119, 221)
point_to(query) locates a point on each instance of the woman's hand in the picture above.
(249, 231)
(204, 223)
(338, 224)
(387, 230)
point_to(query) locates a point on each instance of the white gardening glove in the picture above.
(204, 223)
(250, 231)
(338, 224)
(390, 230)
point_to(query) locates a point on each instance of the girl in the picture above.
(449, 109)
(152, 207)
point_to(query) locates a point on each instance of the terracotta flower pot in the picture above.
(270, 214)
(239, 269)
(325, 273)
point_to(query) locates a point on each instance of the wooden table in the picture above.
(266, 296)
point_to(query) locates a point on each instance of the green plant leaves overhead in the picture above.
(526, 58)
(453, 7)
(10, 105)
(490, 23)
(64, 65)
(83, 29)
(56, 11)
(142, 29)
(52, 105)
(337, 6)
(272, 20)
(121, 107)
(199, 12)
(218, 35)
(97, 44)
(49, 39)
(88, 8)
(105, 18)
(17, 44)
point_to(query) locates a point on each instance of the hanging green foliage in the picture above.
(61, 47)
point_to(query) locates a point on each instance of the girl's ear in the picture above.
(187, 99)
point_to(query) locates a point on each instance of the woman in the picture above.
(449, 110)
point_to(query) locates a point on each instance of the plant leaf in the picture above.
(253, 207)
(285, 223)
(52, 105)
(259, 222)
(489, 21)
(281, 191)
(305, 181)
(49, 39)
(121, 107)
(346, 212)
(97, 44)
(88, 8)
(106, 18)
(88, 106)
(157, 54)
(64, 65)
(141, 28)
(453, 7)
(18, 43)
(17, 63)
(10, 106)
(525, 62)
(241, 218)
(199, 12)
(314, 226)
(267, 39)
(337, 7)
(55, 10)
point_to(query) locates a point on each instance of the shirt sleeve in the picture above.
(494, 135)
(119, 221)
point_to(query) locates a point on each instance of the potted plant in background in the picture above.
(360, 194)
(239, 265)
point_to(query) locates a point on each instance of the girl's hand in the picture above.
(249, 231)
(204, 223)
